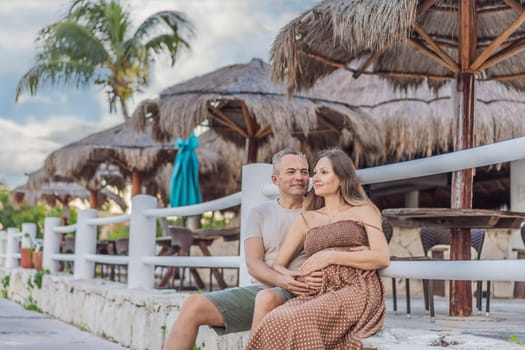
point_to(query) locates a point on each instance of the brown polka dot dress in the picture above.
(349, 307)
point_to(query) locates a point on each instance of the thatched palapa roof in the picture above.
(240, 103)
(409, 42)
(37, 189)
(121, 146)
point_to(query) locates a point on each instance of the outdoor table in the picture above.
(202, 238)
(452, 218)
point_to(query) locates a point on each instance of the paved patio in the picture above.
(22, 329)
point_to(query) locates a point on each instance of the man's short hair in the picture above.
(277, 157)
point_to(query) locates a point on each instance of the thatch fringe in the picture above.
(225, 91)
(416, 123)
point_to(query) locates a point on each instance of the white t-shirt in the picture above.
(270, 221)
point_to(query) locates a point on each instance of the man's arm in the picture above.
(254, 252)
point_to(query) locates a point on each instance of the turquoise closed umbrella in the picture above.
(184, 184)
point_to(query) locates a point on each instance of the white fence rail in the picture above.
(256, 187)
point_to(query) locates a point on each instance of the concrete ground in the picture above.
(28, 330)
(22, 329)
(506, 320)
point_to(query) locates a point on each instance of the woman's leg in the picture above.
(265, 301)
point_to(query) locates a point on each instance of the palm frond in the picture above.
(116, 23)
(175, 21)
(54, 73)
(171, 43)
(78, 43)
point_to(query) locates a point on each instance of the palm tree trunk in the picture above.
(124, 108)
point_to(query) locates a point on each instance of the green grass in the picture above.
(516, 340)
(5, 286)
(31, 305)
(39, 275)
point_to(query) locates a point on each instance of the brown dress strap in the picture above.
(304, 219)
(373, 226)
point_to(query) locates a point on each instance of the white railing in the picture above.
(256, 187)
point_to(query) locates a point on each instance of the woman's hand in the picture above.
(316, 262)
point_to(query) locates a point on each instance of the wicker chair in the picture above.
(121, 248)
(67, 247)
(430, 238)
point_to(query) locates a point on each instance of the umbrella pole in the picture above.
(93, 199)
(461, 192)
(136, 183)
(251, 150)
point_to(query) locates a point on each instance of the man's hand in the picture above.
(290, 282)
(314, 281)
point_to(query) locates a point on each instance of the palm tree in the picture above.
(93, 44)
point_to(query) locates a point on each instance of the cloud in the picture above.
(23, 147)
(227, 32)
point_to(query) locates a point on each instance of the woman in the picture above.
(351, 302)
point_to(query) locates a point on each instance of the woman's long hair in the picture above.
(352, 191)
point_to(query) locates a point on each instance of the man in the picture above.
(231, 310)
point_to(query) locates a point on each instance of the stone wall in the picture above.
(136, 319)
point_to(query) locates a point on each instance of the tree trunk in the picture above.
(124, 107)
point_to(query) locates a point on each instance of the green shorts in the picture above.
(236, 306)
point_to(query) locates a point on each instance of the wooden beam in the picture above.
(505, 77)
(497, 42)
(429, 53)
(516, 6)
(510, 51)
(327, 61)
(336, 64)
(263, 132)
(434, 46)
(467, 33)
(368, 62)
(411, 75)
(422, 8)
(217, 115)
(249, 120)
(328, 123)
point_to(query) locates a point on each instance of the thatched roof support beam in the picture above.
(516, 47)
(263, 132)
(217, 115)
(249, 120)
(329, 124)
(434, 46)
(516, 6)
(421, 9)
(429, 53)
(467, 34)
(497, 42)
(327, 61)
(505, 77)
(411, 75)
(368, 62)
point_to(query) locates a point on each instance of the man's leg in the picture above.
(265, 301)
(196, 311)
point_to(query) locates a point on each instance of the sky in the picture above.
(227, 32)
